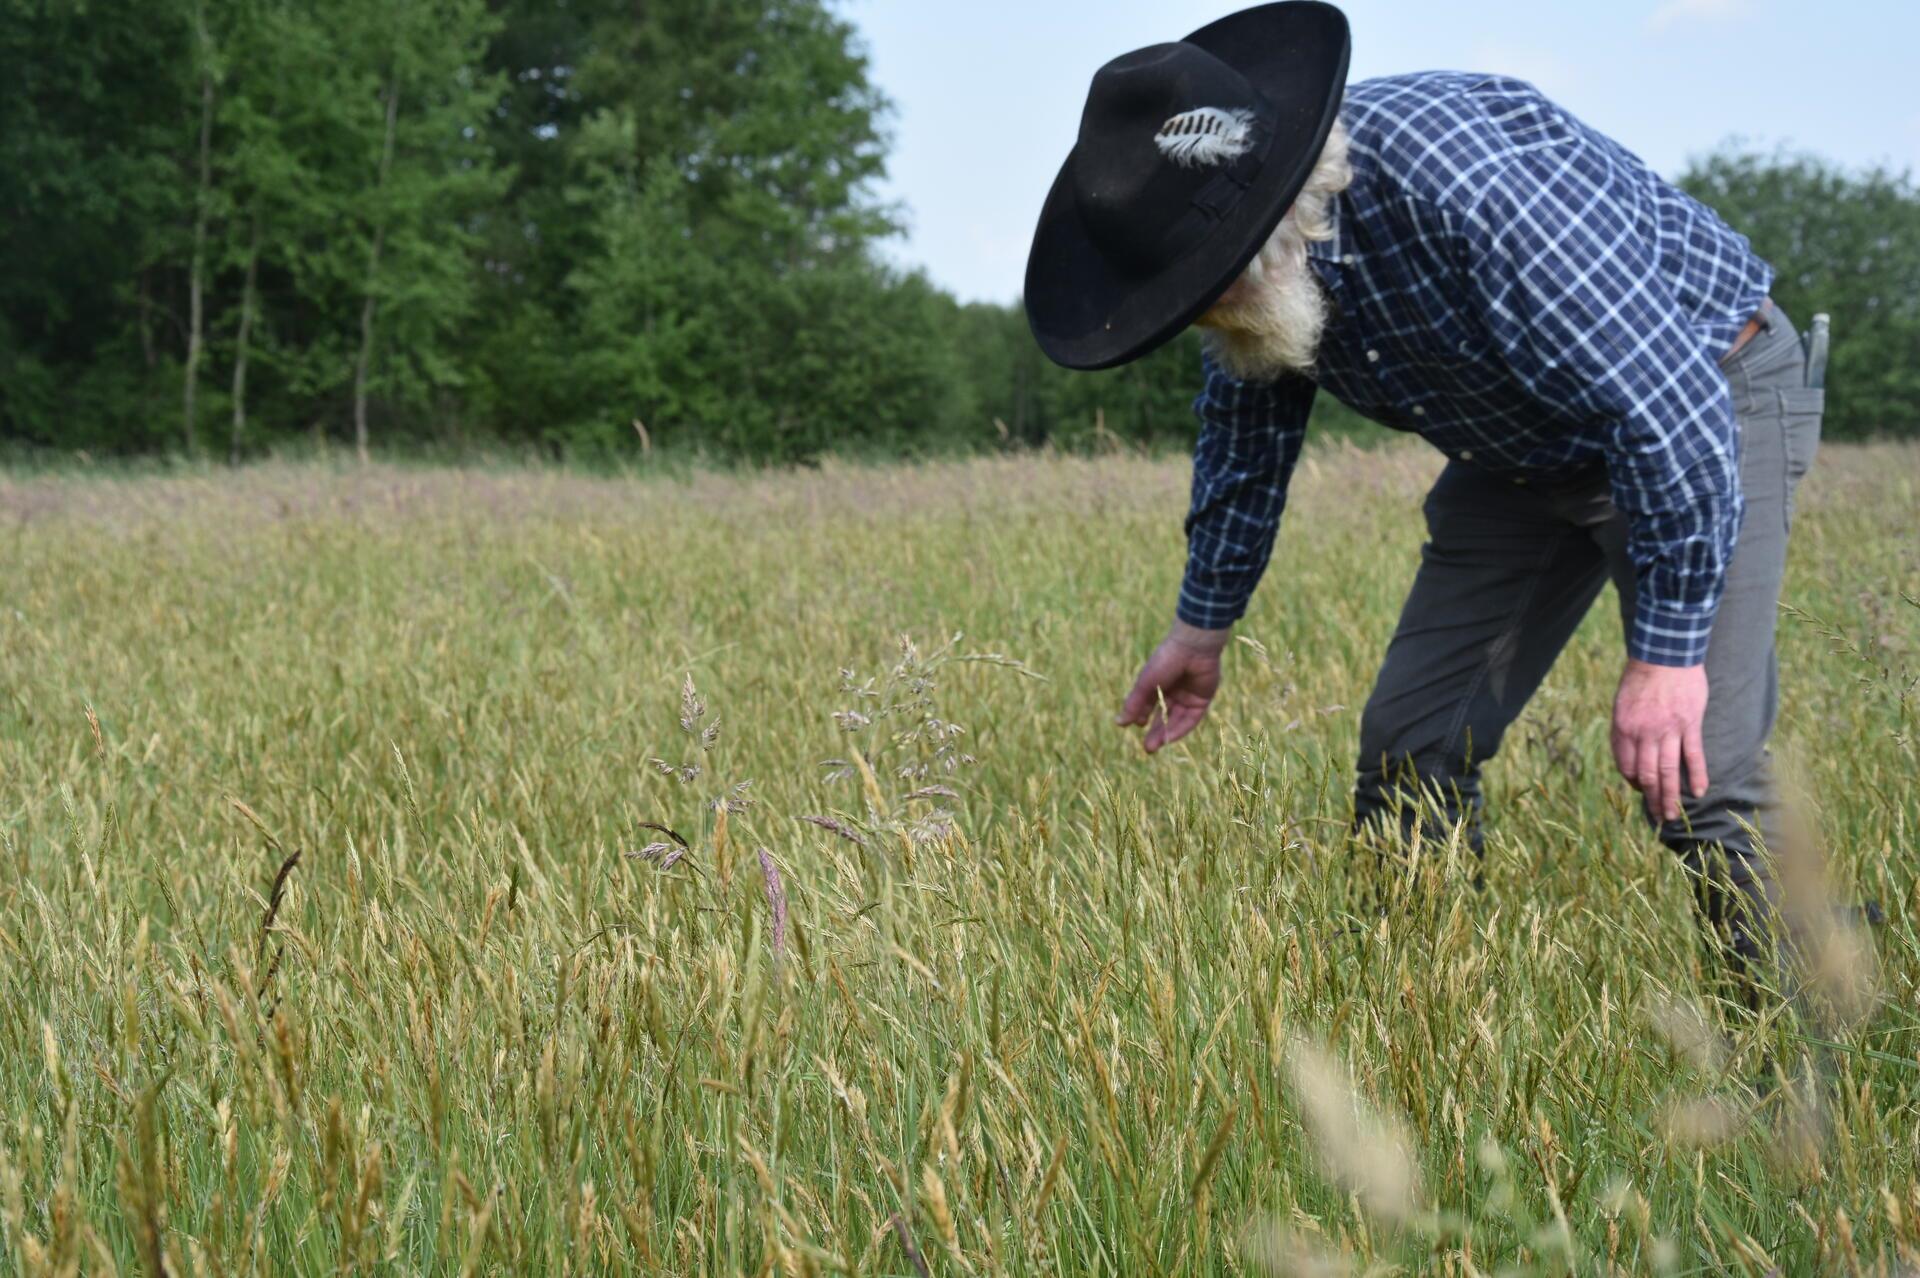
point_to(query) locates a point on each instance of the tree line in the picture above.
(599, 229)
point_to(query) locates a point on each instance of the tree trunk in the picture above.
(240, 344)
(201, 201)
(147, 351)
(367, 306)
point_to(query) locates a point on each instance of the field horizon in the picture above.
(474, 870)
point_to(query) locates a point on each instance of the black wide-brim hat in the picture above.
(1189, 155)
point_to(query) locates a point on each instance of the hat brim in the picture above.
(1088, 311)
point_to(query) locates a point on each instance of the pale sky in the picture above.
(988, 92)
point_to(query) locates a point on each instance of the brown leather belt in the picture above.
(1751, 331)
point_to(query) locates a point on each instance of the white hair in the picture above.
(1269, 323)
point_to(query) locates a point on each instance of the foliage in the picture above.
(106, 131)
(89, 178)
(596, 214)
(742, 364)
(961, 975)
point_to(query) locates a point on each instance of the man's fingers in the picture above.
(1167, 728)
(1696, 754)
(1169, 698)
(1134, 711)
(1182, 720)
(1670, 778)
(1646, 770)
(1157, 735)
(1155, 718)
(1623, 757)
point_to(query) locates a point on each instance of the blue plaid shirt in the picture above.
(1532, 299)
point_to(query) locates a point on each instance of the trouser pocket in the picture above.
(1801, 408)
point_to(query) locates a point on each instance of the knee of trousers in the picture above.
(1416, 785)
(1429, 748)
(1426, 770)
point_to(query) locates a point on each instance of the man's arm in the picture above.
(1250, 436)
(1249, 440)
(1581, 311)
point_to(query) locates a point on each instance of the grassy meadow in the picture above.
(468, 871)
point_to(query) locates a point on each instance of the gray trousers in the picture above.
(1505, 578)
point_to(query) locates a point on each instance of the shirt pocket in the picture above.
(1447, 355)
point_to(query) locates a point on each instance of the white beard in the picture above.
(1272, 328)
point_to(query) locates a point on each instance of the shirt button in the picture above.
(1466, 454)
(1347, 258)
(1521, 482)
(1465, 347)
(1373, 357)
(1419, 410)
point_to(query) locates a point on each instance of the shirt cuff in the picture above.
(1211, 605)
(1669, 635)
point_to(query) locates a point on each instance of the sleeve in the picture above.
(1582, 313)
(1250, 436)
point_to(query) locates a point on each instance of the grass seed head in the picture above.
(776, 904)
(1702, 1122)
(1365, 1152)
(1274, 1248)
(1687, 1031)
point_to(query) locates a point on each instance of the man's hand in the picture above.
(1185, 671)
(1656, 727)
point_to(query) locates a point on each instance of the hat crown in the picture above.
(1133, 194)
(1189, 154)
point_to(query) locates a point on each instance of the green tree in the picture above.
(95, 141)
(193, 180)
(721, 290)
(426, 173)
(765, 108)
(277, 134)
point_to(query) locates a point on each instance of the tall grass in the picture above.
(460, 872)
